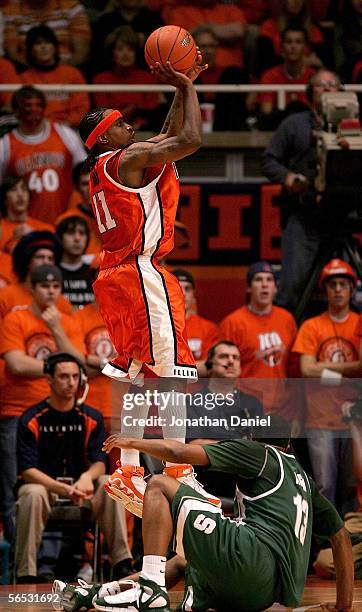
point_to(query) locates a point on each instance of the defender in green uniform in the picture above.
(240, 565)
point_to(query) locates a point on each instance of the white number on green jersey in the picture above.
(109, 222)
(301, 520)
(48, 180)
(205, 524)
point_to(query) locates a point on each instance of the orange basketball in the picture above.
(171, 43)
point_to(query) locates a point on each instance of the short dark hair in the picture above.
(41, 32)
(27, 247)
(126, 34)
(26, 93)
(294, 27)
(53, 359)
(212, 350)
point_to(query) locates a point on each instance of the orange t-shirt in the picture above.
(7, 276)
(201, 335)
(23, 331)
(62, 106)
(358, 330)
(8, 240)
(17, 297)
(279, 76)
(334, 341)
(8, 74)
(264, 342)
(190, 17)
(97, 342)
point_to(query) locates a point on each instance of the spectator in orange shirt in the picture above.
(27, 337)
(328, 348)
(9, 75)
(99, 350)
(270, 42)
(201, 333)
(34, 249)
(80, 205)
(67, 18)
(14, 204)
(7, 276)
(140, 108)
(42, 56)
(42, 152)
(228, 24)
(264, 334)
(292, 71)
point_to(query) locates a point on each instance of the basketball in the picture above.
(171, 43)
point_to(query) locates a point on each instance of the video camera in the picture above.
(339, 147)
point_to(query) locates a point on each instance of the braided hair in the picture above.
(86, 126)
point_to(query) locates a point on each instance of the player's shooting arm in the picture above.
(166, 450)
(343, 563)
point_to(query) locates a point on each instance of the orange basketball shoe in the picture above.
(185, 473)
(127, 485)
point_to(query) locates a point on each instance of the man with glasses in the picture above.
(290, 159)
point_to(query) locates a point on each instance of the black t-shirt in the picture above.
(77, 285)
(60, 443)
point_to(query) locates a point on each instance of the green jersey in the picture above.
(280, 503)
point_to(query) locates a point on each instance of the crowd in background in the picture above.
(47, 220)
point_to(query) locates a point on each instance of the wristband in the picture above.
(329, 377)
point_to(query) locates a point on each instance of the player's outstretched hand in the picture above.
(198, 66)
(116, 441)
(166, 74)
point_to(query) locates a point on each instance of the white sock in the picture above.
(134, 430)
(153, 568)
(175, 407)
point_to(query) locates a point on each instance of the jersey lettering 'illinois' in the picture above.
(133, 221)
(45, 162)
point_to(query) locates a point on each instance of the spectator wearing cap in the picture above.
(328, 349)
(28, 336)
(264, 334)
(73, 232)
(34, 249)
(42, 57)
(15, 220)
(201, 333)
(42, 152)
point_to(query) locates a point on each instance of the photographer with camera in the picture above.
(291, 159)
(59, 449)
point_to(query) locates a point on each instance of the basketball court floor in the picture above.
(316, 591)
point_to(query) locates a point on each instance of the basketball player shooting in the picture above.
(134, 190)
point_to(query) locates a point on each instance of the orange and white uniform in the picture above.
(45, 161)
(141, 303)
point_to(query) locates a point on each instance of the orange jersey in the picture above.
(7, 276)
(17, 297)
(333, 341)
(23, 331)
(97, 342)
(45, 161)
(8, 74)
(133, 221)
(62, 106)
(201, 335)
(8, 237)
(264, 342)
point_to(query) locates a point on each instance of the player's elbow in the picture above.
(191, 140)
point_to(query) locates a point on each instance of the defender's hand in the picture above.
(116, 441)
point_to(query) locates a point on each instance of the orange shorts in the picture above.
(143, 308)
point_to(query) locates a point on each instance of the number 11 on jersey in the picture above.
(109, 222)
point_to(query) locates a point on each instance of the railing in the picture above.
(280, 90)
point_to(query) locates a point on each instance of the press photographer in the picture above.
(291, 159)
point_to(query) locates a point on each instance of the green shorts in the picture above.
(228, 567)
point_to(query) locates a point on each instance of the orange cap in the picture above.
(337, 267)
